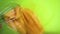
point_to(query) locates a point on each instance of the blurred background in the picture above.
(47, 11)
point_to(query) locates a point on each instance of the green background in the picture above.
(48, 12)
